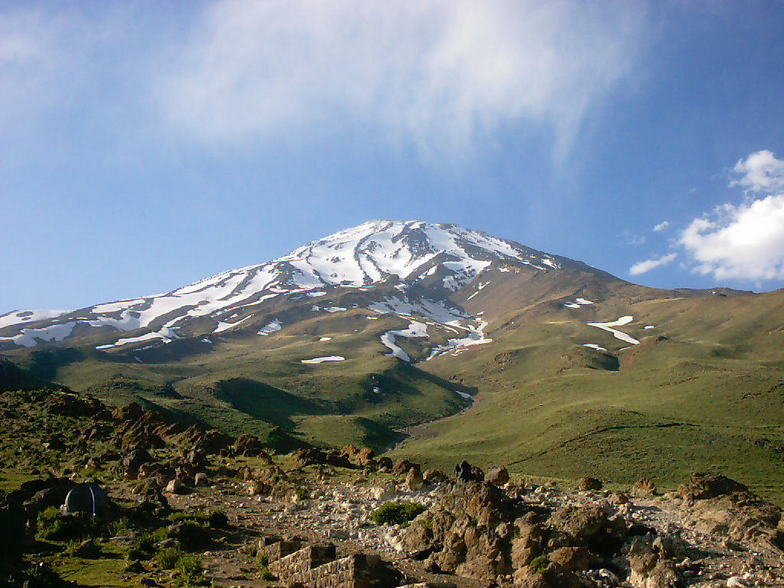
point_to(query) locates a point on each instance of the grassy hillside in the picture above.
(703, 390)
(245, 383)
(706, 391)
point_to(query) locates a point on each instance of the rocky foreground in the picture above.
(186, 505)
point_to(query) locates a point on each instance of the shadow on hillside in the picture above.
(472, 390)
(264, 402)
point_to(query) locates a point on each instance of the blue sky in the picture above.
(146, 145)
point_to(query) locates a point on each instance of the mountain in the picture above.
(424, 264)
(458, 343)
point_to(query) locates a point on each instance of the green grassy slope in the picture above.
(245, 383)
(706, 391)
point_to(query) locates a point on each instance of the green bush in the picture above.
(192, 535)
(214, 518)
(190, 567)
(168, 558)
(51, 524)
(396, 513)
(540, 564)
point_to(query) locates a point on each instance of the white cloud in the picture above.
(743, 241)
(661, 226)
(760, 172)
(437, 74)
(642, 267)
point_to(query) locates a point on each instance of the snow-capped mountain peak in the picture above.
(373, 253)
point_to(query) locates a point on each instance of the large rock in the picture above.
(133, 460)
(649, 569)
(402, 466)
(71, 405)
(465, 472)
(528, 544)
(361, 456)
(498, 476)
(706, 485)
(414, 480)
(310, 456)
(249, 446)
(644, 488)
(589, 483)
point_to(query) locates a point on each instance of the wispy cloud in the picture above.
(438, 75)
(643, 267)
(743, 241)
(661, 226)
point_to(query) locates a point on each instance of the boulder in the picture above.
(649, 568)
(257, 488)
(358, 456)
(130, 412)
(133, 460)
(644, 488)
(579, 523)
(212, 441)
(702, 486)
(384, 464)
(71, 405)
(310, 456)
(402, 466)
(588, 483)
(498, 476)
(176, 486)
(573, 559)
(465, 472)
(201, 479)
(414, 480)
(528, 544)
(249, 446)
(434, 476)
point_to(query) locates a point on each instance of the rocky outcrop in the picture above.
(720, 505)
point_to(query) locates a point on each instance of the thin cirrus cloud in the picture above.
(437, 75)
(643, 267)
(743, 241)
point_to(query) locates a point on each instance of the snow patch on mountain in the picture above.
(366, 255)
(624, 320)
(270, 328)
(165, 335)
(476, 336)
(31, 337)
(329, 358)
(389, 339)
(226, 326)
(28, 316)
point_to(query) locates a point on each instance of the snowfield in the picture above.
(624, 320)
(329, 358)
(415, 329)
(270, 327)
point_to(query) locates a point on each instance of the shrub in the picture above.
(190, 567)
(52, 524)
(192, 535)
(168, 558)
(396, 513)
(540, 564)
(214, 518)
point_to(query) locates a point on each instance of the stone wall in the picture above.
(316, 566)
(303, 561)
